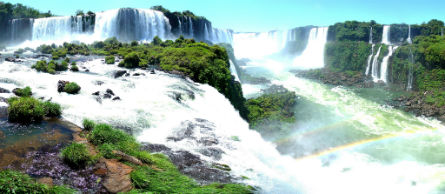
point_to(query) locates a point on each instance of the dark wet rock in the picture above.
(138, 74)
(99, 83)
(61, 85)
(356, 79)
(3, 100)
(127, 74)
(107, 96)
(109, 91)
(192, 165)
(3, 90)
(14, 60)
(87, 70)
(152, 71)
(119, 73)
(214, 153)
(48, 163)
(208, 141)
(97, 93)
(116, 98)
(99, 100)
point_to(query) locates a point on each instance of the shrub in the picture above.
(106, 150)
(52, 109)
(71, 88)
(23, 92)
(131, 60)
(88, 124)
(62, 66)
(74, 68)
(16, 182)
(76, 155)
(25, 110)
(109, 59)
(104, 133)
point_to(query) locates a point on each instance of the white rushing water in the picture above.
(369, 61)
(313, 56)
(126, 24)
(375, 65)
(150, 109)
(384, 65)
(363, 146)
(386, 35)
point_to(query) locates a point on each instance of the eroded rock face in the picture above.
(61, 85)
(119, 73)
(116, 175)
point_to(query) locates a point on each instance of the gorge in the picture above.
(338, 138)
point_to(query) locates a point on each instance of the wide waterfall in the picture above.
(313, 56)
(126, 24)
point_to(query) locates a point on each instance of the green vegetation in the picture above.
(88, 124)
(160, 176)
(71, 88)
(76, 155)
(271, 107)
(355, 31)
(30, 110)
(16, 182)
(347, 55)
(23, 92)
(109, 59)
(50, 67)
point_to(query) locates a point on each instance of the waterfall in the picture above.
(409, 35)
(190, 27)
(221, 35)
(368, 66)
(375, 65)
(52, 28)
(313, 55)
(409, 85)
(206, 32)
(384, 65)
(234, 71)
(258, 45)
(385, 35)
(180, 26)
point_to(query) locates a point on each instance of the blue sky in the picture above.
(264, 15)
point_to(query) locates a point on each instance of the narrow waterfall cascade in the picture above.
(190, 27)
(313, 56)
(180, 25)
(386, 35)
(369, 61)
(159, 117)
(409, 35)
(206, 32)
(375, 66)
(409, 85)
(234, 71)
(384, 65)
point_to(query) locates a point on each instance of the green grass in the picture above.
(16, 182)
(76, 155)
(109, 59)
(23, 92)
(88, 124)
(71, 88)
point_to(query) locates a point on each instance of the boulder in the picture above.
(119, 73)
(106, 96)
(97, 93)
(2, 90)
(116, 98)
(61, 85)
(116, 175)
(109, 91)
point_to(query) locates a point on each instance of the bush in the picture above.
(52, 109)
(88, 124)
(16, 182)
(71, 88)
(131, 60)
(104, 133)
(74, 68)
(109, 59)
(61, 67)
(106, 150)
(76, 155)
(25, 110)
(23, 92)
